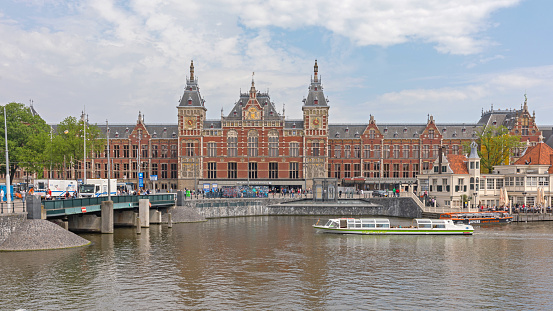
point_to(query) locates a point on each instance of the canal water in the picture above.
(278, 263)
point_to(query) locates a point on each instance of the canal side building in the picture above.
(254, 144)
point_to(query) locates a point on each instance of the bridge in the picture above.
(61, 208)
(100, 214)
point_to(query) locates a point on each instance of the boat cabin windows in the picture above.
(364, 223)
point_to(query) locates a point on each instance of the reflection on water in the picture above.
(281, 263)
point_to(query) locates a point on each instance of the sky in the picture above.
(398, 60)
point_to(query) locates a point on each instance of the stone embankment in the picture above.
(17, 233)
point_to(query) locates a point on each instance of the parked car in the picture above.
(380, 193)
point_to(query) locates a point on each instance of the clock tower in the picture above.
(315, 119)
(191, 117)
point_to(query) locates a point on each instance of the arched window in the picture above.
(273, 143)
(232, 143)
(253, 139)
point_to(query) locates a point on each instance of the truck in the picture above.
(97, 188)
(125, 188)
(57, 187)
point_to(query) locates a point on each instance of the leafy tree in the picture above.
(496, 145)
(27, 138)
(67, 143)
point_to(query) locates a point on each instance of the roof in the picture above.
(539, 154)
(457, 163)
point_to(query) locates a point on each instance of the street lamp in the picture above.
(524, 195)
(474, 196)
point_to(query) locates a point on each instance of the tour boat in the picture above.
(381, 226)
(470, 218)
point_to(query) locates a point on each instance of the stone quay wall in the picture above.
(9, 223)
(391, 207)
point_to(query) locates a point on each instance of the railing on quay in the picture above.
(155, 199)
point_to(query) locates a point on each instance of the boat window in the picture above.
(383, 225)
(439, 226)
(425, 226)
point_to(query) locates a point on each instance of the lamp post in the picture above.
(8, 190)
(474, 196)
(109, 162)
(524, 193)
(85, 121)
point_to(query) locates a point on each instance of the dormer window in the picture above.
(211, 125)
(174, 135)
(315, 88)
(464, 130)
(265, 103)
(347, 130)
(241, 103)
(455, 134)
(404, 130)
(294, 125)
(357, 135)
(444, 130)
(127, 130)
(164, 130)
(396, 135)
(116, 134)
(494, 122)
(234, 113)
(337, 134)
(416, 134)
(271, 113)
(189, 101)
(386, 130)
(316, 101)
(155, 134)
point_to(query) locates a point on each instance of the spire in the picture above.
(525, 108)
(474, 151)
(192, 70)
(252, 89)
(139, 117)
(316, 72)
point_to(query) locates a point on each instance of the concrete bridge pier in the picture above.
(124, 218)
(85, 222)
(144, 212)
(155, 216)
(107, 217)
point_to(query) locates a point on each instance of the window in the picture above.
(253, 144)
(273, 144)
(376, 166)
(347, 170)
(294, 170)
(519, 181)
(377, 152)
(544, 181)
(126, 169)
(164, 151)
(405, 151)
(154, 151)
(212, 149)
(337, 169)
(357, 170)
(532, 181)
(154, 168)
(164, 170)
(371, 134)
(116, 170)
(357, 151)
(315, 149)
(455, 149)
(386, 171)
(273, 170)
(294, 149)
(232, 144)
(116, 151)
(174, 151)
(144, 151)
(489, 183)
(135, 151)
(396, 151)
(189, 149)
(386, 151)
(337, 151)
(499, 184)
(252, 170)
(212, 170)
(367, 152)
(406, 170)
(416, 151)
(395, 171)
(415, 169)
(231, 170)
(125, 151)
(425, 151)
(347, 151)
(435, 151)
(174, 172)
(431, 134)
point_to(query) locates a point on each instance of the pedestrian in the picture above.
(2, 195)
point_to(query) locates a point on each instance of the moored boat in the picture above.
(382, 226)
(471, 218)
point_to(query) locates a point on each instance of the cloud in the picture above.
(454, 26)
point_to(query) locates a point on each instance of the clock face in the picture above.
(189, 122)
(315, 122)
(252, 114)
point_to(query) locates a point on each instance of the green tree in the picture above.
(496, 145)
(66, 149)
(27, 139)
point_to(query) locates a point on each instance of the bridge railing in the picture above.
(69, 203)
